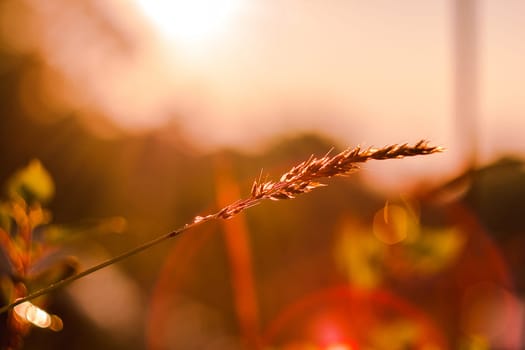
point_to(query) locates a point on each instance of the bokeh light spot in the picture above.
(391, 224)
(38, 317)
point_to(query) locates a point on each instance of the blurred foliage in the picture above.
(496, 192)
(396, 244)
(30, 251)
(32, 184)
(22, 214)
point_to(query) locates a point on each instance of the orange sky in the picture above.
(370, 72)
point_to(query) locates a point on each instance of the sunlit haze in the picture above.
(191, 24)
(232, 73)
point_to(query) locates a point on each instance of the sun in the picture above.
(190, 22)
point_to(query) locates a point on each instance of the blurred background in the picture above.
(146, 113)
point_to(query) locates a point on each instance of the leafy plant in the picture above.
(24, 225)
(31, 255)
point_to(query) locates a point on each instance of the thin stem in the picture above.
(106, 263)
(300, 179)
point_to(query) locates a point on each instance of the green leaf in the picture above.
(32, 183)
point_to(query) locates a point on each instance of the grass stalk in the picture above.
(300, 179)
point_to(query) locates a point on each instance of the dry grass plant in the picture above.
(300, 179)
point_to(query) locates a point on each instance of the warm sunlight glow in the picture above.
(190, 22)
